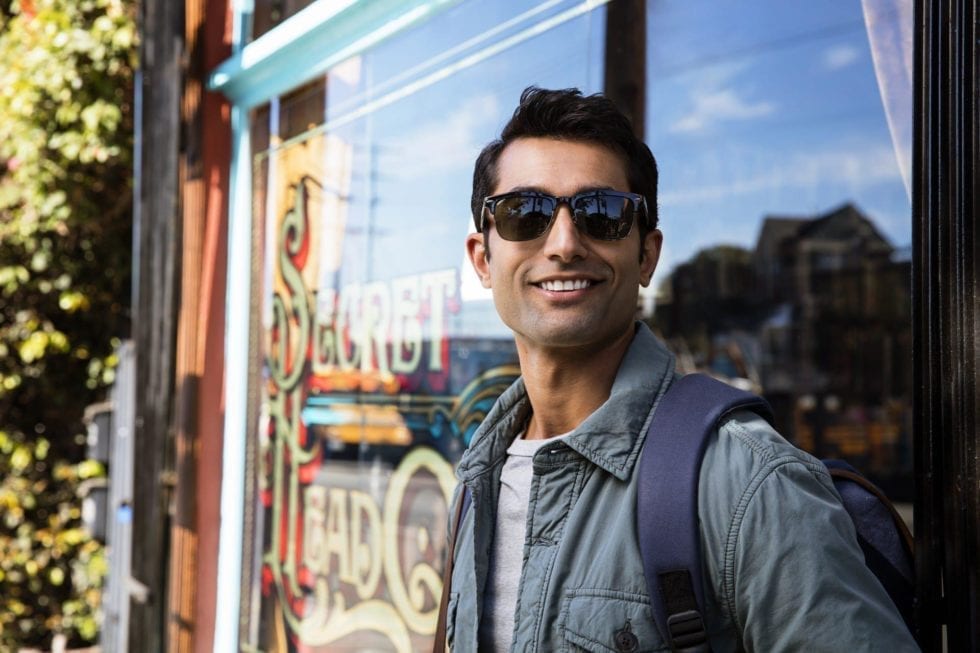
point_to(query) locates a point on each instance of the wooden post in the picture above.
(157, 236)
(626, 60)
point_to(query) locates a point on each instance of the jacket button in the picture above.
(626, 641)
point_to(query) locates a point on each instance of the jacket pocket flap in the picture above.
(609, 621)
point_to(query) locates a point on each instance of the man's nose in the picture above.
(564, 240)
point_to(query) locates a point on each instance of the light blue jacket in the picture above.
(782, 567)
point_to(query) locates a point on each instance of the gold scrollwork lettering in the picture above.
(423, 580)
(324, 333)
(288, 367)
(366, 538)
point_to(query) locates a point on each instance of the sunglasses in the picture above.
(526, 215)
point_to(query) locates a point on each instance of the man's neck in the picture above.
(566, 386)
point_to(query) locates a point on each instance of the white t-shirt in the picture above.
(507, 555)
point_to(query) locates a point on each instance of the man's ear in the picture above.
(479, 255)
(649, 255)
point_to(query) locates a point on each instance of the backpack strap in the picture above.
(667, 501)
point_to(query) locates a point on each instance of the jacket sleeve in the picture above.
(798, 579)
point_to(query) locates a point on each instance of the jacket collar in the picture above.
(611, 437)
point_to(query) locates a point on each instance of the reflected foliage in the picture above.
(66, 72)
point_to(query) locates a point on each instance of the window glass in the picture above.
(782, 132)
(782, 136)
(382, 352)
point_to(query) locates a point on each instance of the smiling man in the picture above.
(547, 558)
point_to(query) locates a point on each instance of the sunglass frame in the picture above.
(638, 202)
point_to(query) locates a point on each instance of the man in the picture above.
(547, 557)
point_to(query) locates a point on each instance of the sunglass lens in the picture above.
(605, 217)
(523, 217)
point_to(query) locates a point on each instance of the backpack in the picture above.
(669, 536)
(668, 531)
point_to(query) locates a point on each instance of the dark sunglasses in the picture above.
(526, 215)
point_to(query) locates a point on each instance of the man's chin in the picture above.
(585, 336)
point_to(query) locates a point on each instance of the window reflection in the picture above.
(771, 131)
(381, 351)
(779, 135)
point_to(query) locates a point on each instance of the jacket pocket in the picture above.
(608, 621)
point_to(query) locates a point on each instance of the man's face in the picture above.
(523, 275)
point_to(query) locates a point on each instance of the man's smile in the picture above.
(565, 285)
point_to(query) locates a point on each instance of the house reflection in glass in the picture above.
(816, 318)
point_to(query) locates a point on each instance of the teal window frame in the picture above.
(312, 41)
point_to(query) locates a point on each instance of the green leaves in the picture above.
(66, 75)
(50, 568)
(65, 82)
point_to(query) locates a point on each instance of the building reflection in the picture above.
(816, 317)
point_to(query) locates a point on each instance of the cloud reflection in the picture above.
(713, 107)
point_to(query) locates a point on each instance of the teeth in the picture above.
(563, 286)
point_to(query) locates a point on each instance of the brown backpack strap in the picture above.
(439, 644)
(903, 530)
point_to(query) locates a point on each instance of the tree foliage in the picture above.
(66, 76)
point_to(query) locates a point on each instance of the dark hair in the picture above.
(567, 114)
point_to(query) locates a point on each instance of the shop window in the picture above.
(302, 109)
(781, 136)
(381, 351)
